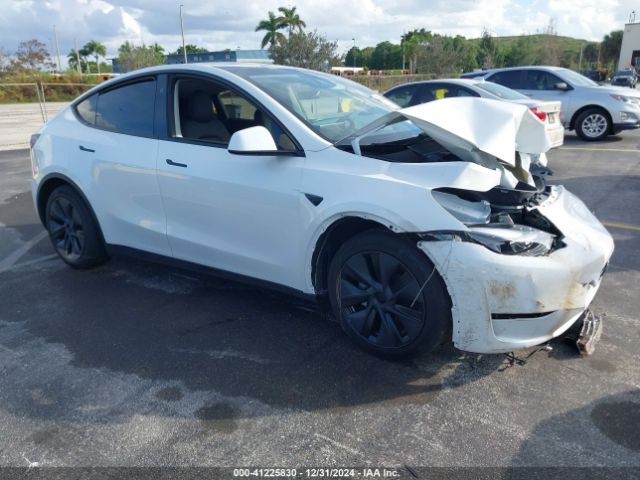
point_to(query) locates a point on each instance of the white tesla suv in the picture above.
(418, 225)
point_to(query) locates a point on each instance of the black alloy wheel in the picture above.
(73, 230)
(380, 299)
(388, 296)
(65, 229)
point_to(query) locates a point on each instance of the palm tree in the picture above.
(273, 36)
(290, 19)
(96, 49)
(73, 57)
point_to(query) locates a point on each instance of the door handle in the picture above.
(85, 149)
(176, 164)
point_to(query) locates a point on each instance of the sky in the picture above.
(221, 24)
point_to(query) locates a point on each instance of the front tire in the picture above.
(74, 233)
(388, 296)
(593, 124)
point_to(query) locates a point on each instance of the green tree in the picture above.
(31, 55)
(412, 43)
(290, 20)
(273, 37)
(132, 57)
(487, 51)
(307, 50)
(190, 48)
(610, 48)
(94, 49)
(76, 60)
(386, 56)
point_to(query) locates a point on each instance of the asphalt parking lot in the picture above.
(136, 364)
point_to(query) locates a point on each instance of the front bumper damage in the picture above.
(502, 303)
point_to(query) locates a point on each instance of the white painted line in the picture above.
(624, 226)
(35, 260)
(9, 261)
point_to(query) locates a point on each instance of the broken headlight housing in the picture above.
(512, 239)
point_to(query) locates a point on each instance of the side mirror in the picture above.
(252, 141)
(561, 86)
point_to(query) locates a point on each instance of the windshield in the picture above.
(331, 106)
(577, 79)
(624, 73)
(501, 91)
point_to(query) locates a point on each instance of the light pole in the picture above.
(354, 55)
(55, 39)
(184, 48)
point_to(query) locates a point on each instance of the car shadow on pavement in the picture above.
(208, 334)
(611, 446)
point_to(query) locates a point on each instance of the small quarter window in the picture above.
(87, 109)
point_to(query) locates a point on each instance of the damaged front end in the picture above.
(526, 259)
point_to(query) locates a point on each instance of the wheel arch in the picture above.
(572, 123)
(47, 186)
(327, 244)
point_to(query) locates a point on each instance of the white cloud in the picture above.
(220, 24)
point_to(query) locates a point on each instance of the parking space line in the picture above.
(9, 261)
(601, 149)
(624, 226)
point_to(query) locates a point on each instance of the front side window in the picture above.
(128, 109)
(236, 106)
(208, 111)
(331, 106)
(540, 80)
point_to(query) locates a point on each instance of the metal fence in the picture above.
(39, 93)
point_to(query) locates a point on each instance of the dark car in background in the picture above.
(625, 78)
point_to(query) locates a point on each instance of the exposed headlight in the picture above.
(512, 239)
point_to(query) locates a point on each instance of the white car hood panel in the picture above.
(495, 127)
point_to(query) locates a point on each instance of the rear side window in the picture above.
(403, 95)
(87, 109)
(127, 109)
(509, 79)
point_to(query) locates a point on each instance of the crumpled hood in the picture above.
(492, 126)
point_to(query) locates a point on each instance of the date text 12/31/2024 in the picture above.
(316, 472)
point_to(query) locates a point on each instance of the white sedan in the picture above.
(414, 93)
(418, 225)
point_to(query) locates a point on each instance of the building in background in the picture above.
(238, 56)
(630, 50)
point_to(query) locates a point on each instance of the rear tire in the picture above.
(388, 296)
(593, 124)
(74, 233)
